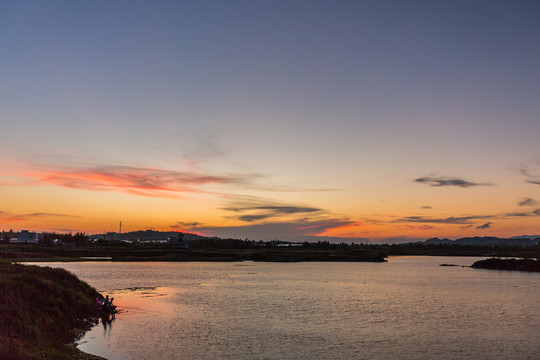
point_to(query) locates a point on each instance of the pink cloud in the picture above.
(133, 180)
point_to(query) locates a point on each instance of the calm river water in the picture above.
(408, 308)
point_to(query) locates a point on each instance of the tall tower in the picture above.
(120, 230)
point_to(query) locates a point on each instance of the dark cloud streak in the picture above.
(523, 213)
(184, 225)
(281, 230)
(448, 220)
(276, 209)
(484, 226)
(441, 181)
(527, 202)
(251, 208)
(251, 218)
(24, 217)
(532, 179)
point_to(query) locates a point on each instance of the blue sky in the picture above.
(337, 106)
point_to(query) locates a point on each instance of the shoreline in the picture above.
(43, 311)
(81, 355)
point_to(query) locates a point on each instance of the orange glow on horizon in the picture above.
(94, 199)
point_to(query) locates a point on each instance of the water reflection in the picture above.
(409, 308)
(107, 326)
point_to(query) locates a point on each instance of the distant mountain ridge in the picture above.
(141, 235)
(526, 240)
(147, 235)
(526, 237)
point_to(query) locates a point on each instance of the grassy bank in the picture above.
(42, 310)
(210, 252)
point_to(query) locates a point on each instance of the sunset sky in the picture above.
(379, 120)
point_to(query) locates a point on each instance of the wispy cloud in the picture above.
(286, 230)
(189, 224)
(268, 219)
(520, 214)
(440, 181)
(133, 180)
(484, 226)
(448, 220)
(277, 209)
(4, 216)
(251, 208)
(535, 212)
(143, 181)
(420, 227)
(265, 212)
(254, 217)
(304, 188)
(531, 179)
(527, 202)
(185, 225)
(467, 221)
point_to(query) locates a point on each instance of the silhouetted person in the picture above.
(105, 304)
(111, 308)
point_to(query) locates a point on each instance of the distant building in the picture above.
(178, 240)
(25, 236)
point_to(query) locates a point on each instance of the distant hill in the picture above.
(487, 241)
(141, 235)
(524, 240)
(437, 241)
(163, 235)
(526, 237)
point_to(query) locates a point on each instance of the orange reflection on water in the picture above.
(139, 300)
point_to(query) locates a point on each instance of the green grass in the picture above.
(41, 311)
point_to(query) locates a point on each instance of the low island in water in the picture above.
(530, 265)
